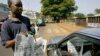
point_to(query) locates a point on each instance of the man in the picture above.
(14, 24)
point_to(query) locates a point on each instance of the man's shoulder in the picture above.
(2, 20)
(6, 22)
(26, 18)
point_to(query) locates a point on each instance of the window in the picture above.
(78, 46)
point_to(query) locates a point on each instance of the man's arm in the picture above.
(9, 43)
(5, 37)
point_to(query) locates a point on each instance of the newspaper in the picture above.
(29, 46)
(24, 45)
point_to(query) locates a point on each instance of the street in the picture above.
(48, 31)
(57, 29)
(5, 51)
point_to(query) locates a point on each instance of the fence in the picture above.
(86, 22)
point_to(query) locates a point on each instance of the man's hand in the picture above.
(23, 33)
(69, 53)
(10, 43)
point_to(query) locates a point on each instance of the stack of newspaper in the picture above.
(29, 46)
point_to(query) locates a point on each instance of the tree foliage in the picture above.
(90, 15)
(3, 5)
(58, 8)
(79, 15)
(97, 11)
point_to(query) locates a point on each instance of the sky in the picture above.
(87, 6)
(84, 6)
(33, 5)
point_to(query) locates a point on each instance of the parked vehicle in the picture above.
(40, 22)
(85, 42)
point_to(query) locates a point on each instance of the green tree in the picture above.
(90, 15)
(97, 11)
(4, 6)
(79, 15)
(58, 8)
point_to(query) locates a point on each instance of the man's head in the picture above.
(15, 6)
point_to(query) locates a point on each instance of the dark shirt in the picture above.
(10, 28)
